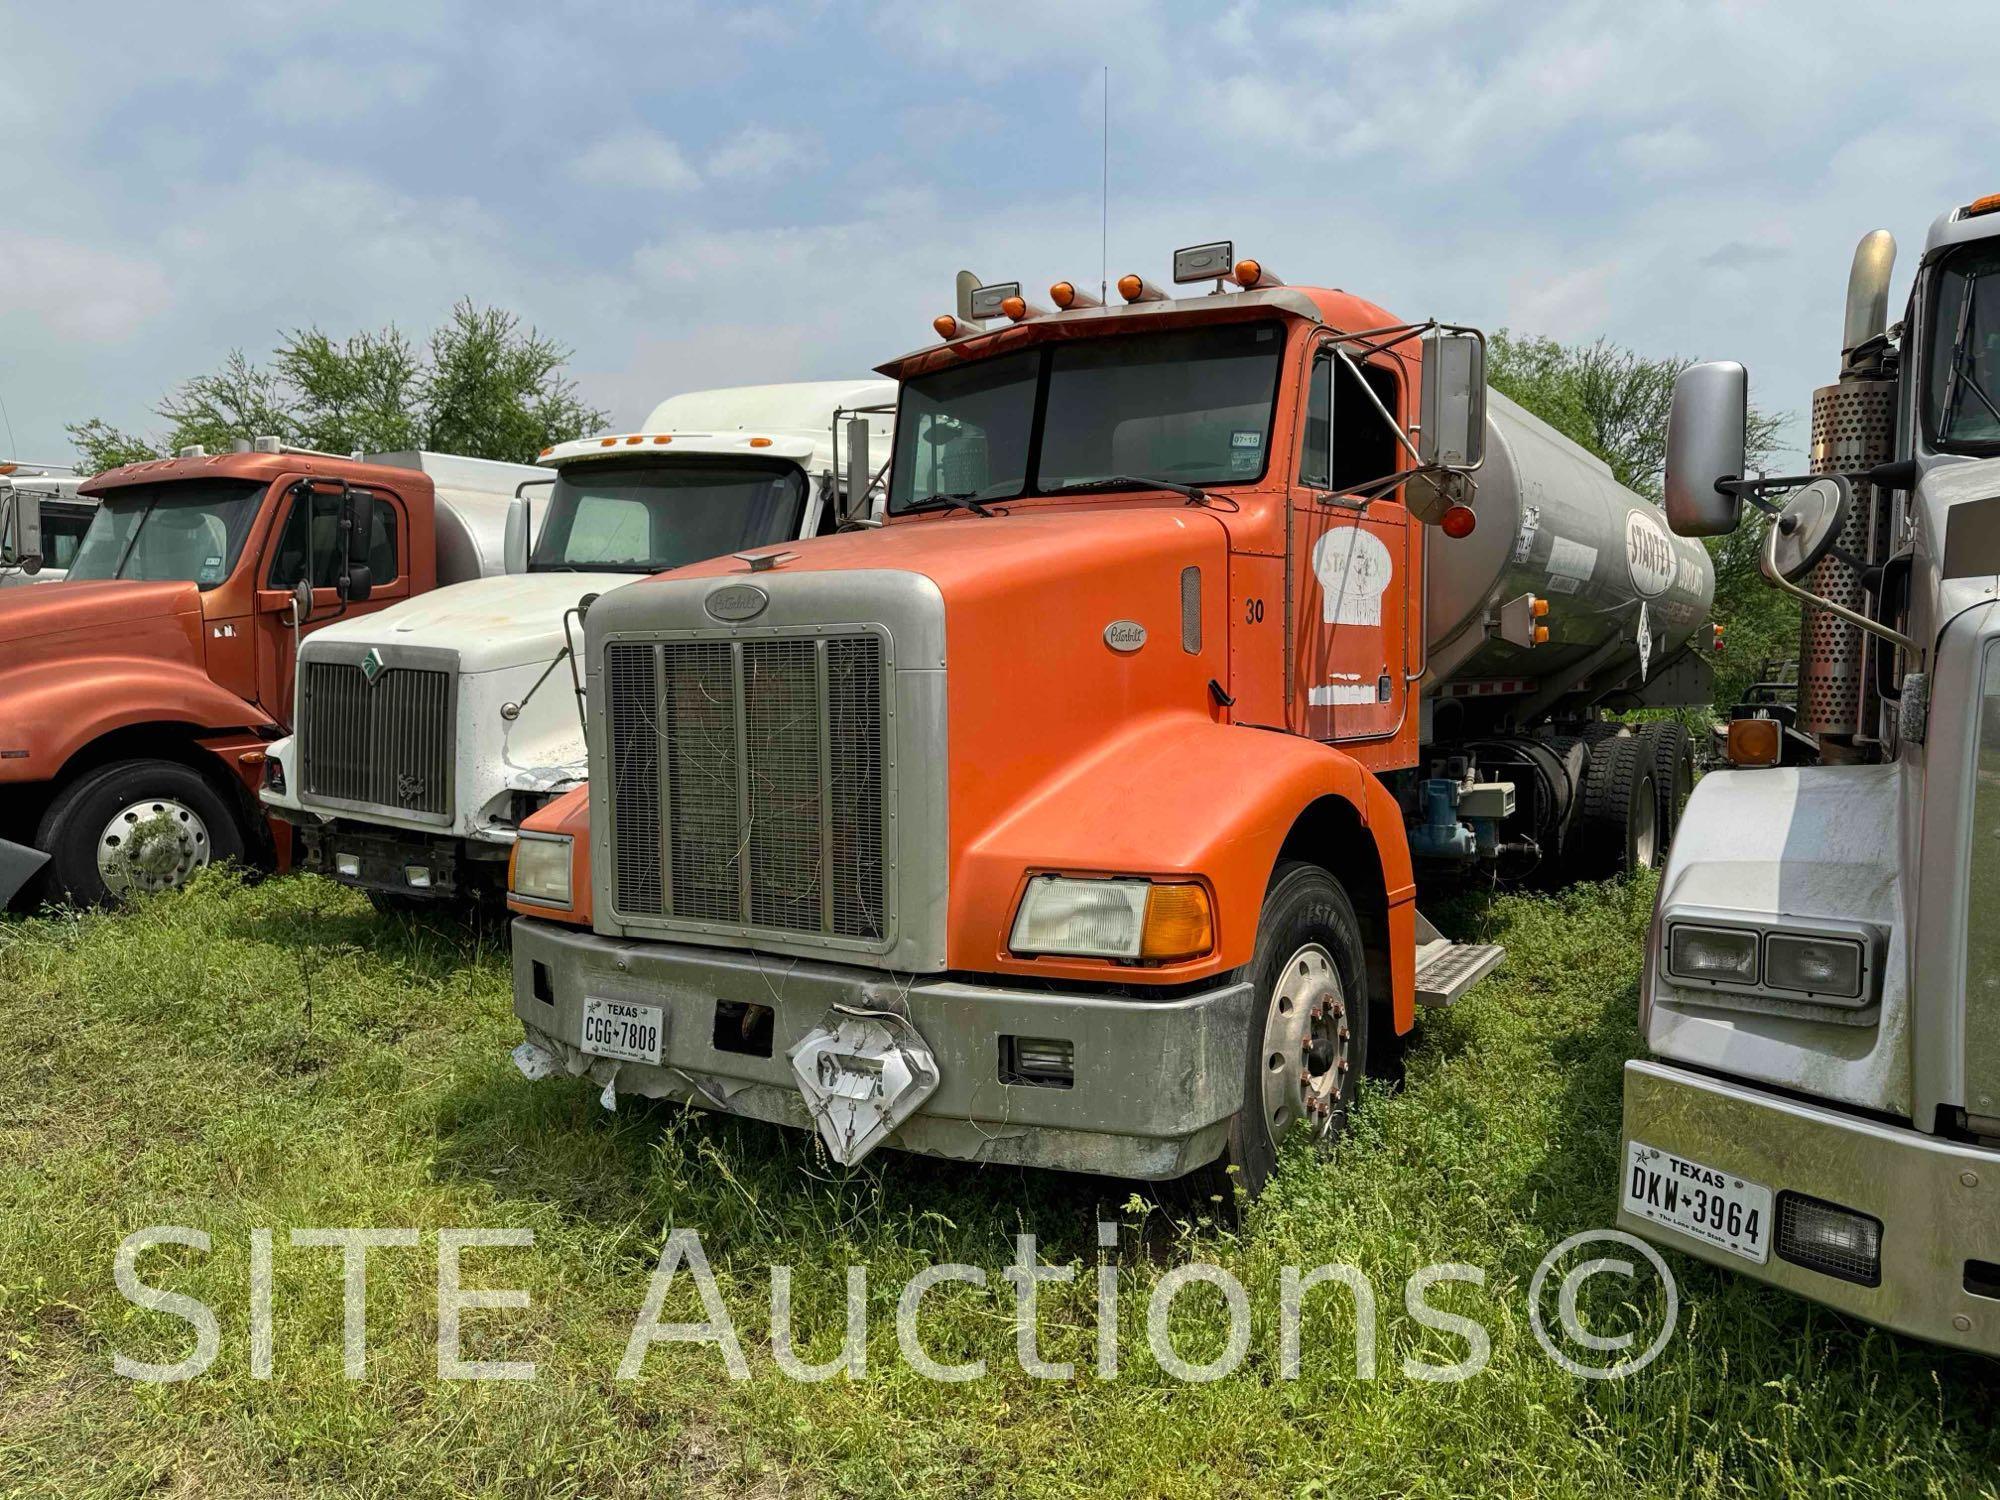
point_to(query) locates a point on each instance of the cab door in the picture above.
(1353, 561)
(306, 543)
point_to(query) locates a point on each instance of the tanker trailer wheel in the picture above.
(134, 826)
(1620, 829)
(1672, 749)
(1308, 1035)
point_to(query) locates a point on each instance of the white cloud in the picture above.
(761, 151)
(301, 91)
(76, 291)
(635, 158)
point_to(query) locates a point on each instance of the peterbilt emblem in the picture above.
(1125, 635)
(739, 601)
(371, 666)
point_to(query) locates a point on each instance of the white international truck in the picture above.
(425, 733)
(38, 540)
(1820, 1108)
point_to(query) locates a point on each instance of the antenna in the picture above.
(12, 446)
(1104, 202)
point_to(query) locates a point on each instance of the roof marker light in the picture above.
(760, 442)
(1249, 274)
(545, 452)
(1979, 206)
(1136, 288)
(663, 439)
(945, 326)
(607, 442)
(635, 438)
(1019, 309)
(1067, 295)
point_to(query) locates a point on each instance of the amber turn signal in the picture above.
(1754, 742)
(1178, 924)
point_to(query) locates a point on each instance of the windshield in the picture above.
(1962, 378)
(188, 530)
(657, 513)
(1192, 405)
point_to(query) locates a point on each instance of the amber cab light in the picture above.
(1014, 307)
(1458, 522)
(945, 326)
(1067, 294)
(1754, 742)
(1178, 924)
(1984, 205)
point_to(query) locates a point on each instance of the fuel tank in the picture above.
(1554, 523)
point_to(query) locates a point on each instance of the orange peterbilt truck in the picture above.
(138, 695)
(1076, 816)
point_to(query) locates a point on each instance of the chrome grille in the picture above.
(747, 782)
(387, 744)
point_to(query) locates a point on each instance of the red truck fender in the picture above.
(1177, 794)
(49, 721)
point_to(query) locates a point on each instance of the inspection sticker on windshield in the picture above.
(614, 1028)
(1246, 450)
(1706, 1203)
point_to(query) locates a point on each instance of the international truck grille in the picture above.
(387, 743)
(746, 783)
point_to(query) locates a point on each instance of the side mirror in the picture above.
(21, 530)
(514, 539)
(1705, 444)
(357, 583)
(357, 521)
(853, 501)
(1452, 415)
(302, 601)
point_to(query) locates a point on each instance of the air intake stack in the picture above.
(1853, 427)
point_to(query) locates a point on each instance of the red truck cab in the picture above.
(136, 696)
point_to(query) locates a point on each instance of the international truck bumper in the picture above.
(1150, 1089)
(1937, 1201)
(373, 858)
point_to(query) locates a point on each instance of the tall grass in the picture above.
(271, 1056)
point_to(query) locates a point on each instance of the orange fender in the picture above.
(1177, 795)
(56, 708)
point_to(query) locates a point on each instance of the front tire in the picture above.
(131, 827)
(1307, 1040)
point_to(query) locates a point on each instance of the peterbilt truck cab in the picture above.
(138, 698)
(427, 731)
(1075, 817)
(1820, 1103)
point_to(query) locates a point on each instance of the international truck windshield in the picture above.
(1962, 385)
(613, 516)
(1099, 414)
(187, 530)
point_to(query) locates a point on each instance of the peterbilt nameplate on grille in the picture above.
(736, 602)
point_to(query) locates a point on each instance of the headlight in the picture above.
(1823, 966)
(1718, 955)
(1128, 919)
(539, 869)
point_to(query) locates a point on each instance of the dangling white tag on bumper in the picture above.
(862, 1074)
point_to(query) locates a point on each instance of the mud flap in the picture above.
(18, 865)
(862, 1074)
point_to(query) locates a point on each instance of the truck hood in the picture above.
(108, 608)
(492, 623)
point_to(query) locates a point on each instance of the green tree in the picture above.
(1615, 402)
(480, 385)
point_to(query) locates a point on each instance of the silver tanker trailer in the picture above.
(1569, 598)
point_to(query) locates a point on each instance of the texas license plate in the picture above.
(1704, 1202)
(616, 1028)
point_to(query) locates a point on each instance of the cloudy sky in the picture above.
(692, 195)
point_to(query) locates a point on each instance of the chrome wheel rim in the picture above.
(1308, 1046)
(152, 845)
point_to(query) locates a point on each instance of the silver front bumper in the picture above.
(1155, 1081)
(1938, 1201)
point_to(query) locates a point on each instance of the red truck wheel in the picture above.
(134, 826)
(1307, 1040)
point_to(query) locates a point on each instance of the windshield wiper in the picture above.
(1958, 370)
(963, 500)
(1191, 493)
(118, 569)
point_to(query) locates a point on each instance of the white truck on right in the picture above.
(1820, 1106)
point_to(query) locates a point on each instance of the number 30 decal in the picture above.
(1253, 612)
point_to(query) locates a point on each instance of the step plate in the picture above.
(1447, 971)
